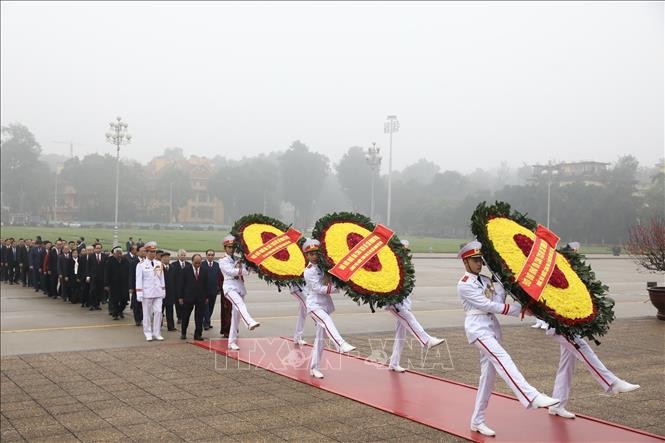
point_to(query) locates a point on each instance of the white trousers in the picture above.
(405, 320)
(239, 311)
(569, 355)
(302, 315)
(324, 325)
(152, 316)
(493, 359)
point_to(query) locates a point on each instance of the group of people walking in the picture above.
(153, 285)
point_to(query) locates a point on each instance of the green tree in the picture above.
(93, 178)
(248, 186)
(303, 175)
(25, 180)
(354, 175)
(423, 172)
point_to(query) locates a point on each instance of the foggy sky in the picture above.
(471, 83)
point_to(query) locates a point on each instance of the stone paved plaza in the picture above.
(94, 387)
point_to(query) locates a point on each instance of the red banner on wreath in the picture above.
(540, 263)
(273, 246)
(362, 253)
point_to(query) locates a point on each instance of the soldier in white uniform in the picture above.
(406, 321)
(297, 292)
(234, 290)
(571, 351)
(578, 349)
(482, 300)
(150, 291)
(318, 289)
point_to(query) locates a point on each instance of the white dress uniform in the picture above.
(320, 306)
(481, 300)
(579, 349)
(234, 291)
(150, 292)
(405, 321)
(298, 294)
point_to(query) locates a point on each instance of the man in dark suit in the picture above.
(134, 304)
(193, 294)
(63, 272)
(213, 284)
(116, 283)
(179, 267)
(11, 261)
(22, 260)
(36, 257)
(95, 277)
(52, 268)
(170, 288)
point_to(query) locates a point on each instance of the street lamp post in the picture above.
(391, 125)
(550, 171)
(374, 160)
(117, 136)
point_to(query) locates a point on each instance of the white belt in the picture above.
(476, 312)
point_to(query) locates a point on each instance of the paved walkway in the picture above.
(179, 392)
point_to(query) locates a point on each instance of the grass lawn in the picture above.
(202, 240)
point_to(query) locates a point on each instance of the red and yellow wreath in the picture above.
(387, 277)
(271, 248)
(555, 284)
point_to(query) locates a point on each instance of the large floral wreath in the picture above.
(387, 278)
(572, 301)
(286, 266)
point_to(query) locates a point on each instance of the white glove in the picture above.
(139, 297)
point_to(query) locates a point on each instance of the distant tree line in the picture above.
(298, 185)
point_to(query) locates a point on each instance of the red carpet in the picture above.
(433, 401)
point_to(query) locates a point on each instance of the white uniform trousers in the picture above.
(239, 311)
(152, 316)
(302, 315)
(564, 375)
(493, 359)
(324, 325)
(405, 320)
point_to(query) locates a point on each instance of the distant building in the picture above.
(202, 208)
(587, 172)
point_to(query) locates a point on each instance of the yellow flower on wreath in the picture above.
(573, 303)
(293, 267)
(383, 281)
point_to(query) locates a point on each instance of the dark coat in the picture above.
(215, 278)
(132, 272)
(116, 278)
(22, 255)
(194, 289)
(63, 265)
(178, 273)
(95, 270)
(170, 284)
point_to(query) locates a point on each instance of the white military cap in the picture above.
(229, 240)
(405, 243)
(311, 245)
(151, 246)
(574, 245)
(471, 249)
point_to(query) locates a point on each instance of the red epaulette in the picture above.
(465, 278)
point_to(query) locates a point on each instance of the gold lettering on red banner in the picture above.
(273, 246)
(362, 253)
